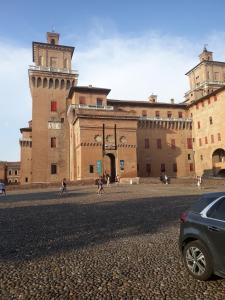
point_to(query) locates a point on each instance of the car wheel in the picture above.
(198, 260)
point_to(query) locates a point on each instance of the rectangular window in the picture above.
(53, 169)
(169, 114)
(201, 157)
(196, 106)
(82, 100)
(199, 126)
(146, 143)
(91, 169)
(191, 167)
(180, 114)
(200, 142)
(159, 143)
(99, 102)
(189, 156)
(215, 98)
(219, 137)
(53, 142)
(163, 168)
(53, 62)
(212, 138)
(216, 75)
(209, 101)
(210, 120)
(189, 143)
(175, 167)
(203, 104)
(206, 140)
(157, 114)
(53, 106)
(173, 143)
(148, 169)
(144, 113)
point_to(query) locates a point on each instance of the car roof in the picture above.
(205, 200)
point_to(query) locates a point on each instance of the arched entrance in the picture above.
(218, 162)
(110, 166)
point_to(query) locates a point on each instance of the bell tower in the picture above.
(50, 79)
(206, 55)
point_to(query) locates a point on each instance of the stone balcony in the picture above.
(52, 69)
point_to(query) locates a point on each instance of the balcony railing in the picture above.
(166, 119)
(25, 140)
(92, 107)
(204, 84)
(52, 69)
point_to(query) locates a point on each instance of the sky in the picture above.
(135, 48)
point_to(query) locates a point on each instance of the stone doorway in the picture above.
(110, 166)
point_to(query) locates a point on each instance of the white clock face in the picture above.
(109, 138)
(98, 138)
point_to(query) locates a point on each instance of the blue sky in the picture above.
(133, 47)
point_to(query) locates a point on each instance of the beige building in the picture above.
(79, 133)
(10, 172)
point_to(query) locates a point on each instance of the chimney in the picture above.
(152, 98)
(172, 101)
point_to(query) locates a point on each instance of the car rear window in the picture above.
(204, 201)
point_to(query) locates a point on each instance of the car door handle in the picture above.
(213, 228)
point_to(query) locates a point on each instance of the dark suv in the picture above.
(202, 237)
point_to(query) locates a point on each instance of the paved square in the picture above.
(120, 245)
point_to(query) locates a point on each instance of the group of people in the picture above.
(105, 179)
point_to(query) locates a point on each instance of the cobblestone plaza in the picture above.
(119, 245)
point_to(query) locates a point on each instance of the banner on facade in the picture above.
(121, 165)
(99, 167)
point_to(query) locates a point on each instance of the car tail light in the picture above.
(183, 217)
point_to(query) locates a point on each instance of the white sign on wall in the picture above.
(54, 125)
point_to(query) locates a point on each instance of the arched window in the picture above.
(62, 84)
(33, 81)
(45, 82)
(39, 82)
(50, 83)
(67, 84)
(56, 83)
(52, 41)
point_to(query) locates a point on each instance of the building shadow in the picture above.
(38, 231)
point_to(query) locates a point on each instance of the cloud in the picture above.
(15, 101)
(133, 67)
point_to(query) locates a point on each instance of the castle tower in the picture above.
(50, 79)
(206, 77)
(206, 55)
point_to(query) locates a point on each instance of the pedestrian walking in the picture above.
(199, 181)
(2, 188)
(100, 185)
(63, 186)
(108, 180)
(117, 179)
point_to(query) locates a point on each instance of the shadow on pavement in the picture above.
(37, 231)
(39, 196)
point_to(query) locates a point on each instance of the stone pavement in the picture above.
(120, 245)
